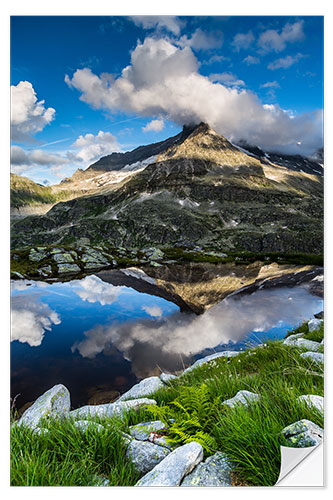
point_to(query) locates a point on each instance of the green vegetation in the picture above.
(66, 456)
(24, 191)
(316, 335)
(192, 406)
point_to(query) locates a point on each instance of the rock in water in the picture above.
(244, 398)
(313, 400)
(144, 455)
(144, 388)
(215, 471)
(142, 431)
(317, 357)
(54, 403)
(303, 433)
(174, 467)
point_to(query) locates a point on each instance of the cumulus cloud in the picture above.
(22, 160)
(242, 41)
(28, 116)
(165, 342)
(285, 62)
(201, 40)
(154, 126)
(250, 60)
(30, 318)
(93, 289)
(275, 41)
(228, 79)
(163, 80)
(153, 311)
(173, 24)
(92, 147)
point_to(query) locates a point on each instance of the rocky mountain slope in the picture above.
(198, 190)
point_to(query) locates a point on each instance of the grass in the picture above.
(66, 456)
(250, 436)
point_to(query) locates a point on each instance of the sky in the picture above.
(84, 87)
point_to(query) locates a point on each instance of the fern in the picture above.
(192, 415)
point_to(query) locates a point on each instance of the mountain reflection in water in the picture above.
(100, 334)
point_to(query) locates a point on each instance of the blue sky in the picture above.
(257, 78)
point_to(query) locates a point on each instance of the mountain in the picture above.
(195, 190)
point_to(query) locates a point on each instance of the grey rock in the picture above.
(17, 275)
(154, 254)
(313, 400)
(57, 250)
(37, 255)
(215, 471)
(303, 433)
(92, 258)
(141, 431)
(244, 398)
(110, 409)
(45, 270)
(54, 403)
(63, 258)
(291, 339)
(155, 264)
(315, 324)
(317, 357)
(211, 358)
(174, 467)
(144, 388)
(160, 440)
(167, 377)
(144, 455)
(68, 268)
(99, 481)
(302, 343)
(84, 425)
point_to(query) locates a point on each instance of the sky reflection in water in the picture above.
(93, 336)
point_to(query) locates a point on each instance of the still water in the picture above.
(99, 338)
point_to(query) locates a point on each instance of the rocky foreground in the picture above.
(155, 458)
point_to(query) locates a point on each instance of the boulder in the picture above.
(68, 268)
(315, 324)
(166, 377)
(303, 433)
(63, 258)
(144, 388)
(160, 440)
(141, 431)
(84, 425)
(291, 339)
(317, 357)
(37, 255)
(211, 358)
(144, 455)
(301, 343)
(110, 409)
(54, 403)
(244, 398)
(215, 471)
(174, 467)
(313, 400)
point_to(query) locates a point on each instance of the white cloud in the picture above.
(163, 80)
(201, 40)
(92, 147)
(154, 126)
(93, 289)
(228, 79)
(22, 160)
(149, 342)
(30, 319)
(242, 41)
(270, 85)
(274, 41)
(169, 23)
(28, 116)
(153, 311)
(249, 60)
(285, 62)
